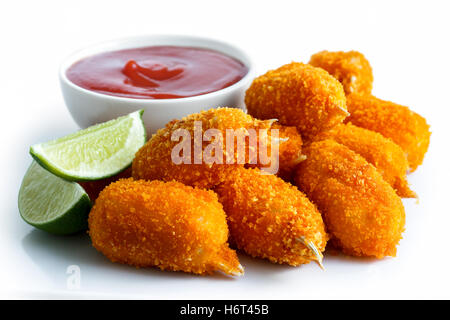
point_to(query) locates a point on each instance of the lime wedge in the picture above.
(52, 204)
(97, 152)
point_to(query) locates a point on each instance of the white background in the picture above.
(407, 45)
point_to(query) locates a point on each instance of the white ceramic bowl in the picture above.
(89, 107)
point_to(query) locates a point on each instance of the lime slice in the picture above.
(97, 152)
(50, 203)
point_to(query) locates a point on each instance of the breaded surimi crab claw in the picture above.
(163, 224)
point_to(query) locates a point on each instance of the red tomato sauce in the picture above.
(157, 72)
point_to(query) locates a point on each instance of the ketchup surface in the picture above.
(158, 72)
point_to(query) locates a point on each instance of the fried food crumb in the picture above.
(298, 95)
(351, 68)
(389, 159)
(406, 128)
(267, 217)
(163, 224)
(362, 212)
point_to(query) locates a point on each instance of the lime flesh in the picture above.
(97, 152)
(52, 204)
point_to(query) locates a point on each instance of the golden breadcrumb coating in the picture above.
(298, 95)
(163, 224)
(154, 160)
(289, 151)
(362, 212)
(269, 218)
(351, 68)
(381, 152)
(406, 128)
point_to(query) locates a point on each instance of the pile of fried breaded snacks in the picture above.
(343, 159)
